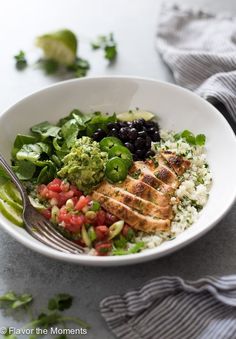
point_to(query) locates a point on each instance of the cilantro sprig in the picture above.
(49, 318)
(13, 300)
(21, 61)
(191, 139)
(107, 44)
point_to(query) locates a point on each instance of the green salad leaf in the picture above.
(45, 130)
(24, 169)
(39, 156)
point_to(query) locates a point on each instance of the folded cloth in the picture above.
(171, 308)
(200, 49)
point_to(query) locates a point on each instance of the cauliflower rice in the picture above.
(192, 193)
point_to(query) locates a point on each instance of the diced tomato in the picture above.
(75, 223)
(77, 192)
(46, 213)
(64, 216)
(103, 248)
(83, 201)
(65, 186)
(55, 185)
(101, 216)
(42, 190)
(101, 232)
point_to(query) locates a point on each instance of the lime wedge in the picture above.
(13, 192)
(10, 213)
(60, 46)
(4, 195)
(133, 115)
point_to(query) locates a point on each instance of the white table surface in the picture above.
(133, 23)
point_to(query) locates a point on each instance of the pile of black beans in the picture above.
(136, 135)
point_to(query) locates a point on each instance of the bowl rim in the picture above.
(90, 260)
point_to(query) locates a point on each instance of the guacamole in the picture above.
(85, 165)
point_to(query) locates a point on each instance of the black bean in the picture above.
(112, 125)
(138, 125)
(142, 134)
(130, 146)
(148, 142)
(151, 130)
(132, 134)
(149, 123)
(139, 143)
(99, 134)
(156, 136)
(140, 153)
(114, 133)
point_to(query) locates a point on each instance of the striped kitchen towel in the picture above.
(171, 308)
(200, 50)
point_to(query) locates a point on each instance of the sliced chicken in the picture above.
(134, 219)
(146, 175)
(163, 172)
(144, 191)
(178, 163)
(142, 206)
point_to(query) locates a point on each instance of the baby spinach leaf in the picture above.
(24, 169)
(69, 132)
(21, 140)
(32, 152)
(47, 173)
(45, 130)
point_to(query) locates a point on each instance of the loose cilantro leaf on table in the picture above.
(21, 61)
(44, 320)
(80, 67)
(60, 302)
(13, 301)
(108, 44)
(8, 335)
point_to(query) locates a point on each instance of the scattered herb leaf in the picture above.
(21, 62)
(12, 300)
(135, 249)
(108, 44)
(60, 302)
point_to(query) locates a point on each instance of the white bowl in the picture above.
(177, 109)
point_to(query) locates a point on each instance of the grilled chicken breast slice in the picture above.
(146, 175)
(134, 219)
(144, 191)
(144, 207)
(177, 162)
(163, 172)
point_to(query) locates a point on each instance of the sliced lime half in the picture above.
(10, 213)
(60, 46)
(136, 114)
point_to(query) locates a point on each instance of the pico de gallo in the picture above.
(80, 218)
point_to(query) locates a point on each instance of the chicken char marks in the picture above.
(143, 199)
